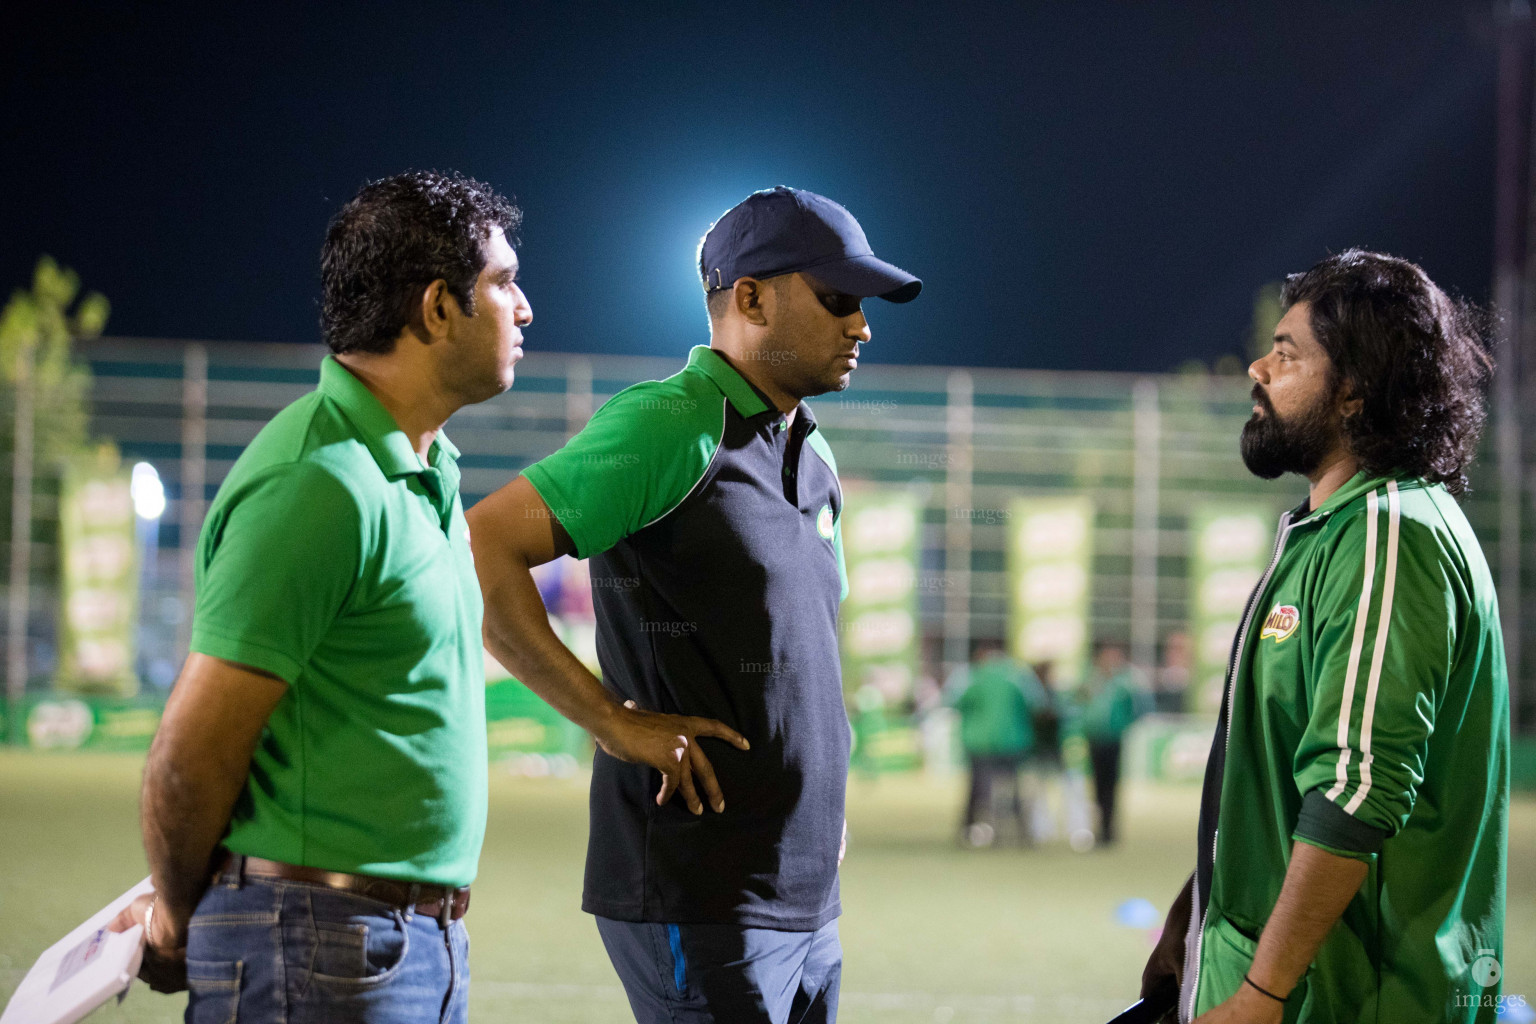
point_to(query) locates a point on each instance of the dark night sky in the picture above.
(1081, 185)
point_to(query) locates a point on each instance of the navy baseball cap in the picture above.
(782, 230)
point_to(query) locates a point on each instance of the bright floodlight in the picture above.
(148, 492)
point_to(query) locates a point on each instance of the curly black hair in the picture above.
(393, 239)
(1416, 358)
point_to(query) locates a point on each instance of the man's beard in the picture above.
(1272, 446)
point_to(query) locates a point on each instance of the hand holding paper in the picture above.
(162, 969)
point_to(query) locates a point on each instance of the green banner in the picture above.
(879, 617)
(1229, 545)
(1169, 748)
(1050, 562)
(99, 592)
(63, 722)
(880, 635)
(523, 731)
(517, 722)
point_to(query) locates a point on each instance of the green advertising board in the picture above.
(1169, 748)
(523, 731)
(517, 722)
(99, 592)
(1050, 562)
(1229, 545)
(69, 722)
(881, 530)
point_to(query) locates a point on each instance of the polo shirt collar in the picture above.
(376, 428)
(731, 383)
(742, 393)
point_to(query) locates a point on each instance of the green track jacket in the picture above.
(1366, 713)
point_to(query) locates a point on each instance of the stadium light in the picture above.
(148, 492)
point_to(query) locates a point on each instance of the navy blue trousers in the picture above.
(725, 974)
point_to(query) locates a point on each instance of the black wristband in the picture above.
(1263, 992)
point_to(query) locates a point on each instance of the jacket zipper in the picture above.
(1235, 659)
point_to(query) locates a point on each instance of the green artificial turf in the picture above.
(931, 932)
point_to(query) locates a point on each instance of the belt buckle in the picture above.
(445, 912)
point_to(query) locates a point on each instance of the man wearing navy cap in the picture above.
(709, 506)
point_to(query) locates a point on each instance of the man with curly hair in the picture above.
(1353, 825)
(315, 799)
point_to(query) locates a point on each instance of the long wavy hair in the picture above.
(1416, 358)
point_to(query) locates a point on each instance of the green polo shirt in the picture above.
(337, 559)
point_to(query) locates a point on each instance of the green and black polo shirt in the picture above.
(713, 531)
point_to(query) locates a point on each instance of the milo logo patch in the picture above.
(1281, 622)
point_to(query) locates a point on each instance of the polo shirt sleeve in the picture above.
(636, 459)
(1384, 627)
(277, 564)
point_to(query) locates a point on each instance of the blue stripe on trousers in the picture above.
(679, 961)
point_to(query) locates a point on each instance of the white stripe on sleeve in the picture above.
(1353, 671)
(1382, 624)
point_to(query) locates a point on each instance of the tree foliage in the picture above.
(44, 322)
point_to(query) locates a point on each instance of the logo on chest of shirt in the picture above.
(1281, 622)
(824, 522)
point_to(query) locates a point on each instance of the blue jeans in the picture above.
(725, 974)
(268, 950)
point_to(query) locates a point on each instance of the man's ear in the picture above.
(1349, 405)
(748, 296)
(431, 321)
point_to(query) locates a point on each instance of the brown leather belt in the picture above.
(435, 901)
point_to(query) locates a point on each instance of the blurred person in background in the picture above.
(714, 496)
(1054, 771)
(1170, 683)
(1110, 700)
(995, 696)
(314, 801)
(1354, 822)
(1045, 719)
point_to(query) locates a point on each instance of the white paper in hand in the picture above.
(82, 970)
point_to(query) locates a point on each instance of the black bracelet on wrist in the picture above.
(1263, 992)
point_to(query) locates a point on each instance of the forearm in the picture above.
(1318, 887)
(184, 813)
(518, 634)
(197, 767)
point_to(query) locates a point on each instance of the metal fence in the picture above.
(1147, 449)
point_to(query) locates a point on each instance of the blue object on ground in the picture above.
(1138, 913)
(1511, 1012)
